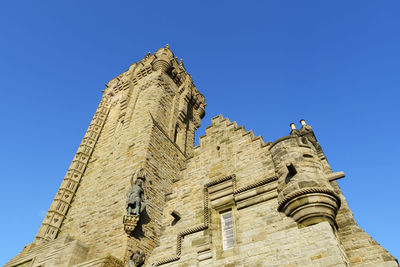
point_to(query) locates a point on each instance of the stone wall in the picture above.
(134, 129)
(233, 170)
(286, 206)
(361, 249)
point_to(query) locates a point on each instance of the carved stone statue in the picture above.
(137, 259)
(307, 132)
(135, 202)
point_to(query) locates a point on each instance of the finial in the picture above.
(147, 55)
(167, 46)
(303, 122)
(293, 126)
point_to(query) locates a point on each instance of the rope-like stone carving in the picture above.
(256, 184)
(305, 191)
(223, 179)
(166, 260)
(206, 212)
(179, 238)
(194, 229)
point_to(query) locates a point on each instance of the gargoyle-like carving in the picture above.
(137, 259)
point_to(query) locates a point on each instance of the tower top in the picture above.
(165, 51)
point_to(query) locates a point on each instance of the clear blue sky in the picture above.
(263, 64)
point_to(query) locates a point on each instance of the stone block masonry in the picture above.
(272, 203)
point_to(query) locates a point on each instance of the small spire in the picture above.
(303, 122)
(293, 126)
(181, 63)
(167, 46)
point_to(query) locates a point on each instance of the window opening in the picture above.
(176, 133)
(176, 216)
(227, 230)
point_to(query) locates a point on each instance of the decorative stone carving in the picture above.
(135, 202)
(162, 60)
(130, 222)
(304, 191)
(306, 131)
(311, 205)
(137, 259)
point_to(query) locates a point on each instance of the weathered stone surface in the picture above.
(284, 205)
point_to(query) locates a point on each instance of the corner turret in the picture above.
(304, 191)
(162, 59)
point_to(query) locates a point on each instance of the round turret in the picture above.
(162, 60)
(304, 191)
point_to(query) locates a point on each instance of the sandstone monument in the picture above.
(139, 193)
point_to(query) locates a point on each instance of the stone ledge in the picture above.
(108, 261)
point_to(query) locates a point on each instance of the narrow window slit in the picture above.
(227, 230)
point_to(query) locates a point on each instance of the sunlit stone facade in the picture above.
(233, 200)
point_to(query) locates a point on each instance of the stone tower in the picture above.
(138, 193)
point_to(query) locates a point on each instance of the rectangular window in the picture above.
(227, 230)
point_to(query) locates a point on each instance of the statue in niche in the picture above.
(137, 259)
(135, 201)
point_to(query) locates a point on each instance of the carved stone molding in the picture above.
(130, 222)
(137, 259)
(311, 205)
(208, 192)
